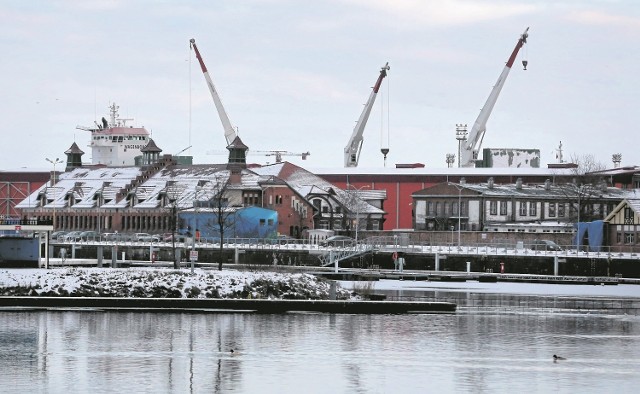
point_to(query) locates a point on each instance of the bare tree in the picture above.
(224, 214)
(584, 191)
(584, 188)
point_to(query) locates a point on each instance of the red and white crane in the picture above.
(354, 146)
(229, 132)
(470, 147)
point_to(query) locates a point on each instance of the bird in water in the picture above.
(558, 358)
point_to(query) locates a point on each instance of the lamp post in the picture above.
(357, 205)
(54, 162)
(578, 237)
(461, 135)
(172, 196)
(196, 232)
(459, 187)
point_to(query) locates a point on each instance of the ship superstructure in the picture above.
(114, 143)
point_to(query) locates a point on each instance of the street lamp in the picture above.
(53, 179)
(461, 135)
(459, 187)
(172, 195)
(578, 237)
(196, 232)
(357, 203)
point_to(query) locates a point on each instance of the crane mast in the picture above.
(229, 132)
(469, 152)
(354, 146)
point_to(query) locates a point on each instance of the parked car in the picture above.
(146, 237)
(89, 236)
(545, 244)
(282, 239)
(338, 240)
(116, 237)
(72, 236)
(168, 237)
(58, 235)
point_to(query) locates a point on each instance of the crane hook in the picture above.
(524, 64)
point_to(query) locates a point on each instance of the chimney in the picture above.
(490, 183)
(519, 183)
(547, 184)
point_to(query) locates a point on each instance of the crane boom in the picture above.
(229, 132)
(354, 146)
(469, 152)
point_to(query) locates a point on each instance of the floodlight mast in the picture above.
(354, 146)
(229, 132)
(469, 153)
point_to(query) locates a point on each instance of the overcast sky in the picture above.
(294, 75)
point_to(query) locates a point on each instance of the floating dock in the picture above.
(225, 305)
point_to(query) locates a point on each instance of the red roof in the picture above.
(121, 131)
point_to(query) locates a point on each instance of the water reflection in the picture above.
(71, 351)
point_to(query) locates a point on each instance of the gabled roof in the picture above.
(308, 184)
(83, 183)
(182, 183)
(633, 203)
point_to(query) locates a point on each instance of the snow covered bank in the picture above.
(156, 283)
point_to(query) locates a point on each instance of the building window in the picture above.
(619, 237)
(454, 208)
(523, 208)
(446, 208)
(438, 208)
(552, 209)
(430, 211)
(278, 199)
(533, 209)
(628, 215)
(463, 208)
(493, 207)
(629, 238)
(503, 208)
(561, 210)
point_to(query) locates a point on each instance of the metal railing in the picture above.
(378, 244)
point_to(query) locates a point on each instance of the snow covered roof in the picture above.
(82, 184)
(453, 171)
(307, 184)
(88, 187)
(526, 191)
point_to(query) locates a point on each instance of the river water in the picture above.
(495, 348)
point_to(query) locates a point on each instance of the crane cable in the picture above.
(190, 93)
(382, 116)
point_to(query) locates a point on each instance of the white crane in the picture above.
(277, 153)
(470, 148)
(354, 146)
(229, 132)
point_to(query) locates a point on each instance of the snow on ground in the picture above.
(150, 282)
(621, 290)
